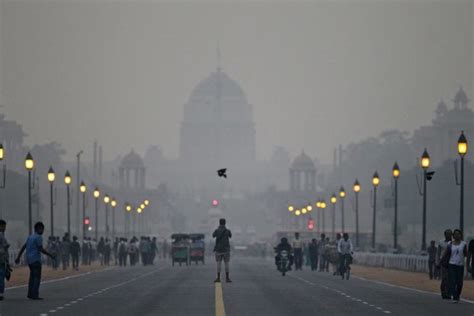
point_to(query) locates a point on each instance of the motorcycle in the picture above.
(284, 262)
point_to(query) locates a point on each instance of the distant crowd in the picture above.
(121, 251)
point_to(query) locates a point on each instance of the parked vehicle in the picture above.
(180, 249)
(198, 248)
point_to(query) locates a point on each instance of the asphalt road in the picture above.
(257, 290)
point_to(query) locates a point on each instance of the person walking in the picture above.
(470, 258)
(65, 251)
(298, 252)
(321, 250)
(314, 254)
(432, 251)
(345, 251)
(455, 254)
(4, 258)
(34, 249)
(75, 250)
(122, 252)
(222, 249)
(443, 266)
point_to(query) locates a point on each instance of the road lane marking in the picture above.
(406, 288)
(220, 309)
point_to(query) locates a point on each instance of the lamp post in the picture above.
(4, 175)
(126, 221)
(106, 201)
(375, 183)
(113, 203)
(396, 175)
(83, 189)
(67, 181)
(318, 224)
(333, 201)
(29, 166)
(462, 151)
(356, 189)
(96, 197)
(323, 215)
(139, 211)
(51, 178)
(425, 164)
(342, 195)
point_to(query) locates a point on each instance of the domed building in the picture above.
(217, 128)
(132, 172)
(303, 174)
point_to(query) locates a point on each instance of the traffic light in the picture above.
(310, 224)
(87, 221)
(215, 203)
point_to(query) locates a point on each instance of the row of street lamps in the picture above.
(462, 146)
(30, 165)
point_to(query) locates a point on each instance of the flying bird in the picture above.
(222, 173)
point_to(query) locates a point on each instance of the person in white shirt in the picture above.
(457, 251)
(298, 252)
(345, 251)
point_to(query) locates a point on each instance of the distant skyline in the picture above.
(317, 74)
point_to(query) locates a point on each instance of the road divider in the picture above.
(220, 309)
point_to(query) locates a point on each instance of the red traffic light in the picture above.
(215, 202)
(310, 224)
(87, 221)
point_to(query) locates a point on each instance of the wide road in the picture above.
(257, 290)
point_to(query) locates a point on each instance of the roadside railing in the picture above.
(392, 261)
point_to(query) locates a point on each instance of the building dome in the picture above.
(218, 83)
(132, 161)
(303, 162)
(461, 100)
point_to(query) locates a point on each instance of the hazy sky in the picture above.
(317, 73)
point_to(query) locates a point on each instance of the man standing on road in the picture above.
(75, 253)
(4, 264)
(432, 250)
(34, 249)
(321, 248)
(448, 235)
(298, 252)
(222, 249)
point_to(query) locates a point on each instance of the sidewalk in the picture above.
(413, 280)
(20, 275)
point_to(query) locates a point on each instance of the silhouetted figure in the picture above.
(222, 249)
(75, 253)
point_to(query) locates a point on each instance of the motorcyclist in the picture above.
(283, 245)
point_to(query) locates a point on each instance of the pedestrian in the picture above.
(314, 254)
(222, 249)
(4, 258)
(470, 258)
(455, 252)
(75, 253)
(65, 252)
(321, 250)
(132, 251)
(115, 247)
(432, 250)
(443, 266)
(107, 251)
(122, 252)
(298, 252)
(334, 255)
(34, 249)
(154, 250)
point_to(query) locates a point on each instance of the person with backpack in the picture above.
(222, 249)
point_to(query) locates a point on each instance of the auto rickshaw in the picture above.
(197, 250)
(180, 249)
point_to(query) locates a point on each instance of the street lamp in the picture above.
(304, 210)
(106, 201)
(356, 189)
(425, 164)
(83, 189)
(146, 202)
(29, 166)
(51, 178)
(126, 221)
(4, 175)
(96, 197)
(67, 181)
(462, 151)
(323, 215)
(142, 206)
(297, 212)
(375, 183)
(309, 208)
(396, 175)
(291, 208)
(342, 195)
(333, 201)
(113, 203)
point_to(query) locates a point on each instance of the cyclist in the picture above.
(345, 251)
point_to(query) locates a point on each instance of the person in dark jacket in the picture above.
(432, 251)
(222, 249)
(314, 254)
(75, 250)
(284, 245)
